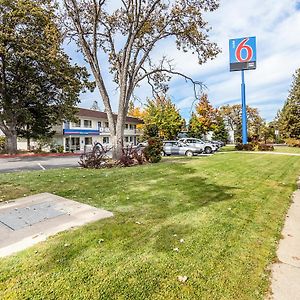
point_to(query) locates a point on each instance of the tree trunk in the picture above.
(11, 143)
(28, 143)
(117, 142)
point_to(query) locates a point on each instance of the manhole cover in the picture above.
(26, 216)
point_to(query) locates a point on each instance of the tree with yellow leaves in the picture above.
(161, 113)
(204, 119)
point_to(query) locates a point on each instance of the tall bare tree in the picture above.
(127, 32)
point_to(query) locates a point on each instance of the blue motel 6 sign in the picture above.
(242, 53)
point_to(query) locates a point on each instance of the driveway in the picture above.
(8, 165)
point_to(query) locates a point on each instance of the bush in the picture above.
(38, 151)
(2, 143)
(293, 142)
(153, 150)
(57, 149)
(265, 147)
(60, 149)
(246, 147)
(253, 147)
(131, 156)
(97, 158)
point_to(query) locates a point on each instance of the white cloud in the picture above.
(276, 24)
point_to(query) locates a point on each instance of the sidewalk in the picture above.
(286, 273)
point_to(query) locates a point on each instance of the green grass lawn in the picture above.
(286, 149)
(229, 209)
(283, 149)
(227, 148)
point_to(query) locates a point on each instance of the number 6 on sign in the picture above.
(239, 51)
(242, 54)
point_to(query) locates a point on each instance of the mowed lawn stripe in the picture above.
(228, 209)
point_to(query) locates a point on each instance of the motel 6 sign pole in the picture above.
(242, 53)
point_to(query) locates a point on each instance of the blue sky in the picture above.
(276, 25)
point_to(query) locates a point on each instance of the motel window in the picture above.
(105, 140)
(66, 124)
(126, 126)
(87, 123)
(88, 140)
(77, 123)
(106, 124)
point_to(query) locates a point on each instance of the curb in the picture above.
(39, 155)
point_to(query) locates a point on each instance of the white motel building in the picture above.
(91, 127)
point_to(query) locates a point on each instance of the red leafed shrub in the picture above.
(131, 156)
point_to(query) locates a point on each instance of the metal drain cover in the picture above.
(19, 218)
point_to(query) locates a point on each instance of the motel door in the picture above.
(72, 143)
(75, 143)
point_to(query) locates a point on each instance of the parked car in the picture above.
(215, 143)
(178, 148)
(221, 143)
(218, 143)
(142, 144)
(205, 147)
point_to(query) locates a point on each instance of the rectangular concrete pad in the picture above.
(17, 218)
(73, 214)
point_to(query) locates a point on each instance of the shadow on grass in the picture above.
(157, 203)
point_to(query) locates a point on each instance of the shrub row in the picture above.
(57, 149)
(254, 147)
(265, 147)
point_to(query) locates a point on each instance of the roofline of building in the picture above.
(84, 112)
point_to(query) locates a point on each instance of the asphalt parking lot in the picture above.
(16, 164)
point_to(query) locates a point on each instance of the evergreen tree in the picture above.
(289, 116)
(220, 132)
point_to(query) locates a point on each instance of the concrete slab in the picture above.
(72, 214)
(286, 274)
(17, 218)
